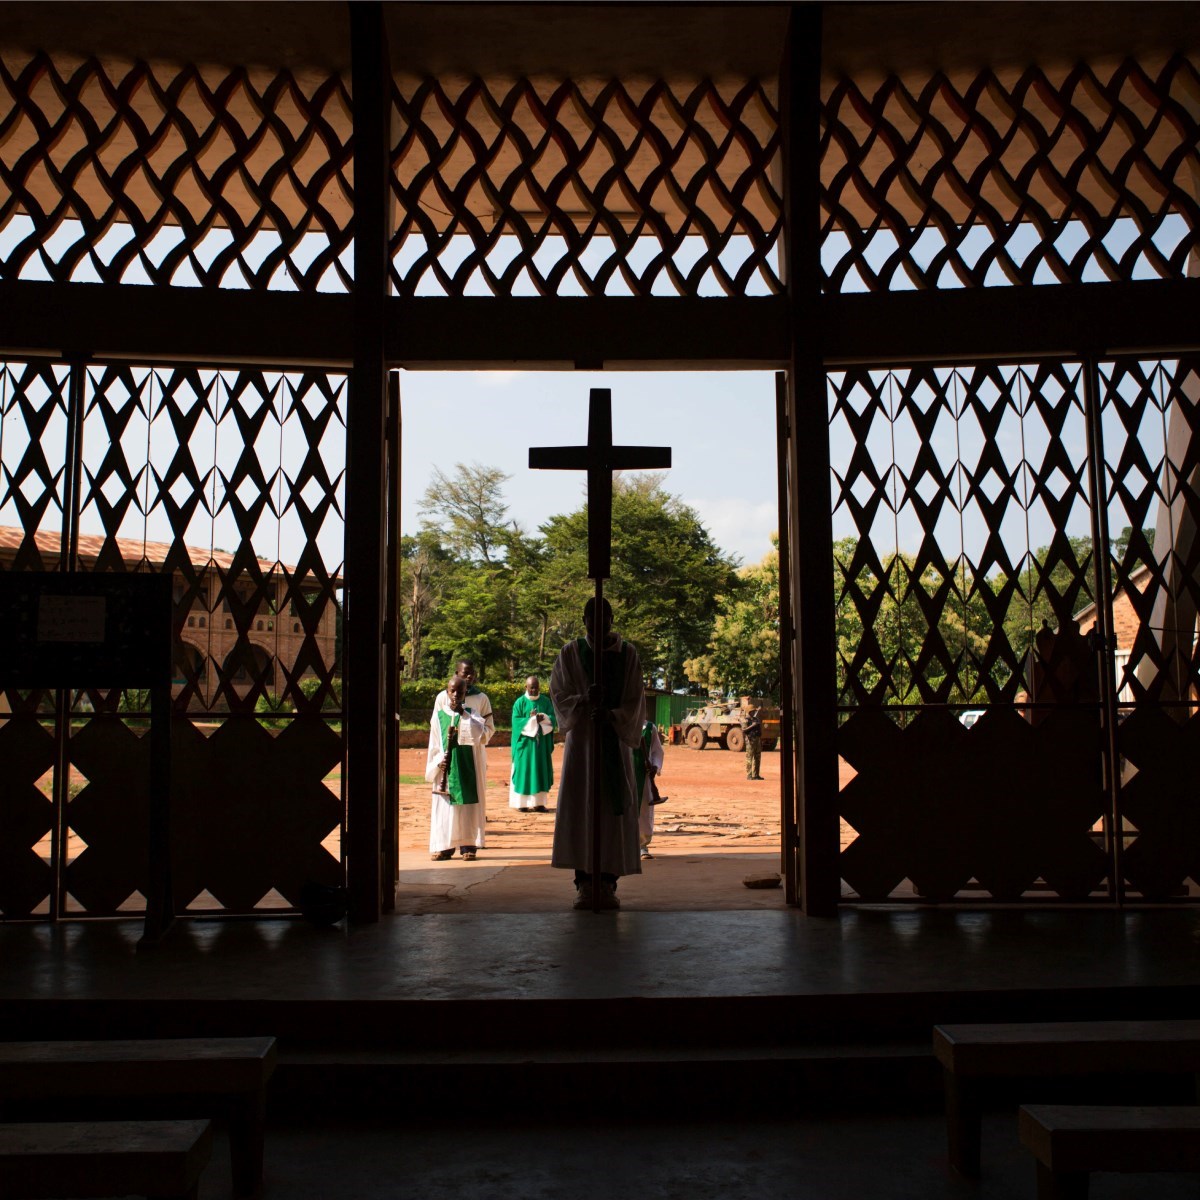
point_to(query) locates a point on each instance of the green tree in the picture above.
(467, 509)
(425, 568)
(472, 619)
(1054, 583)
(534, 604)
(742, 656)
(666, 574)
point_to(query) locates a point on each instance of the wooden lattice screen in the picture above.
(123, 173)
(233, 481)
(969, 501)
(1087, 173)
(557, 188)
(970, 496)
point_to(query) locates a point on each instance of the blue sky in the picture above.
(720, 426)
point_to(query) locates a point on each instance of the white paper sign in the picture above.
(70, 619)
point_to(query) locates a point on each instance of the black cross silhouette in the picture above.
(599, 458)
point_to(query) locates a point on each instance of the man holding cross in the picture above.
(597, 681)
(618, 716)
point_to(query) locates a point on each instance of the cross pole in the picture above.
(599, 458)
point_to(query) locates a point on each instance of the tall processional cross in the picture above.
(599, 458)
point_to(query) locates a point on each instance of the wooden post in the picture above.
(811, 519)
(365, 442)
(597, 695)
(391, 656)
(1105, 649)
(160, 896)
(789, 836)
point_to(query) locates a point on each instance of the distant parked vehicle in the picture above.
(722, 723)
(970, 716)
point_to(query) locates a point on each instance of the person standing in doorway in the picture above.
(533, 725)
(647, 766)
(619, 710)
(455, 768)
(465, 669)
(752, 730)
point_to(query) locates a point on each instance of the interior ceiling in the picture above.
(602, 39)
(674, 42)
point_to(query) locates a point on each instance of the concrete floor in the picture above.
(543, 1156)
(267, 975)
(584, 955)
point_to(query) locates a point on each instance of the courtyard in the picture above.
(714, 828)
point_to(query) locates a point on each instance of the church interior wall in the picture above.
(999, 200)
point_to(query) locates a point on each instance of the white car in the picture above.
(970, 716)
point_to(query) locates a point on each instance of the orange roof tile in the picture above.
(133, 551)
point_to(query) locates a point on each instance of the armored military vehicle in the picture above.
(722, 724)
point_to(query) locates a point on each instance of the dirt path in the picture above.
(710, 803)
(715, 828)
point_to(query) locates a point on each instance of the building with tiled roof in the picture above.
(228, 624)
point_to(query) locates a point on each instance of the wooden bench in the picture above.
(159, 1159)
(973, 1054)
(1070, 1141)
(153, 1077)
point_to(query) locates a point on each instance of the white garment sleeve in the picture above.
(473, 729)
(656, 750)
(568, 689)
(433, 759)
(484, 708)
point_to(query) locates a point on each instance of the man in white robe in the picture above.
(621, 707)
(465, 669)
(647, 766)
(455, 767)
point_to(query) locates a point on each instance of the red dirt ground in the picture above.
(710, 802)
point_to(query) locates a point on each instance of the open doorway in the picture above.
(494, 568)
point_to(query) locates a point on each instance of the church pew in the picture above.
(192, 1076)
(1070, 1141)
(159, 1159)
(972, 1054)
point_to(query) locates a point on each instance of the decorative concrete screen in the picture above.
(118, 172)
(586, 187)
(232, 480)
(968, 505)
(1079, 174)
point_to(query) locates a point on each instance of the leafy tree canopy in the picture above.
(742, 655)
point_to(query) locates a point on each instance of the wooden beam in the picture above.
(363, 689)
(157, 324)
(978, 324)
(478, 333)
(810, 517)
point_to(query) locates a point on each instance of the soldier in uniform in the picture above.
(752, 728)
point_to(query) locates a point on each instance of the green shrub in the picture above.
(311, 685)
(268, 705)
(418, 695)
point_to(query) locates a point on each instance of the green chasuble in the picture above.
(532, 769)
(641, 756)
(615, 785)
(460, 779)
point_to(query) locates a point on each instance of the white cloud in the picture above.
(739, 526)
(496, 379)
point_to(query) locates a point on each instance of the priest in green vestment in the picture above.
(454, 766)
(533, 726)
